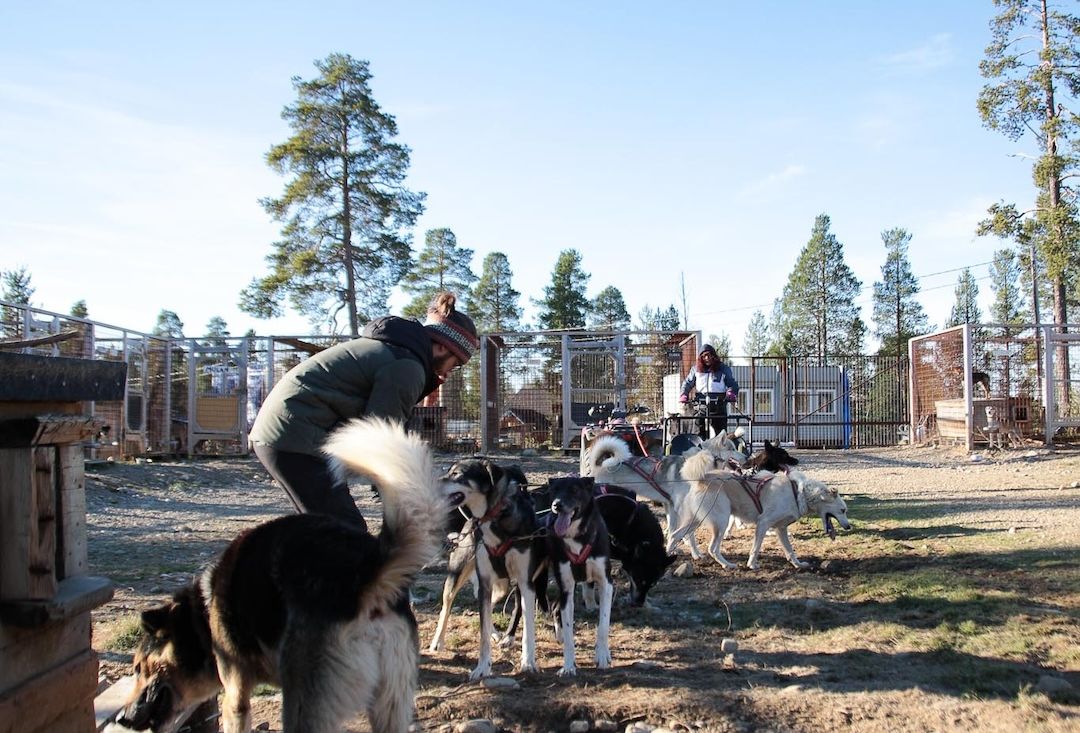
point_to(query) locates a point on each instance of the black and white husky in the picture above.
(579, 552)
(509, 549)
(306, 602)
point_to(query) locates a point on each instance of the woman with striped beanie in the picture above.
(384, 373)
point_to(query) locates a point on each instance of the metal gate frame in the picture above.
(1058, 379)
(615, 348)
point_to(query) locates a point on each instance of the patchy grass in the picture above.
(122, 634)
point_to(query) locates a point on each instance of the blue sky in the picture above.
(667, 142)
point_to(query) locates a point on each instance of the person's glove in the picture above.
(684, 398)
(731, 396)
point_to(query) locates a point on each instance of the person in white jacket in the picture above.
(712, 380)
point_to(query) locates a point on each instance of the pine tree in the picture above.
(17, 289)
(1033, 68)
(78, 309)
(608, 311)
(966, 307)
(217, 331)
(817, 314)
(494, 303)
(756, 339)
(1008, 306)
(722, 344)
(168, 325)
(564, 305)
(441, 265)
(345, 212)
(897, 315)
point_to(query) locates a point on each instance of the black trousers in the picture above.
(310, 484)
(716, 416)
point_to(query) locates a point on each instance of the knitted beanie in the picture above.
(451, 328)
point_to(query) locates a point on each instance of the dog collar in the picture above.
(503, 548)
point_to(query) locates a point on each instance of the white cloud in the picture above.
(935, 53)
(763, 188)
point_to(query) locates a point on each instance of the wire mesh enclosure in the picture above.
(991, 384)
(983, 384)
(538, 388)
(842, 402)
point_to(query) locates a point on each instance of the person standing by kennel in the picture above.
(713, 382)
(384, 373)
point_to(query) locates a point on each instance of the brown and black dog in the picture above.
(307, 602)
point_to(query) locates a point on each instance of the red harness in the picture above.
(635, 464)
(755, 492)
(580, 557)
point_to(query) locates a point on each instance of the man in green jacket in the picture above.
(384, 373)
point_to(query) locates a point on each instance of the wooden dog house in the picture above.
(48, 669)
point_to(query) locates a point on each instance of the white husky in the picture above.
(768, 500)
(657, 479)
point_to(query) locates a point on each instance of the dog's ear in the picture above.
(494, 472)
(515, 474)
(156, 619)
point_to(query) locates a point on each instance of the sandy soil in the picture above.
(803, 662)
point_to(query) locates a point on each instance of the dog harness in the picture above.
(578, 558)
(649, 475)
(759, 483)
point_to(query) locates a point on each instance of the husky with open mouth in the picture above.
(579, 552)
(765, 499)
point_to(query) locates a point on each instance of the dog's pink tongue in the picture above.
(562, 524)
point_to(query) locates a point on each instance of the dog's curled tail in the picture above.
(695, 467)
(414, 507)
(608, 452)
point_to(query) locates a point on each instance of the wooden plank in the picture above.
(109, 703)
(47, 430)
(16, 495)
(76, 719)
(34, 409)
(74, 596)
(27, 652)
(71, 550)
(52, 338)
(47, 699)
(26, 377)
(42, 560)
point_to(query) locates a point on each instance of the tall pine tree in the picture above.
(1033, 70)
(345, 211)
(966, 308)
(441, 265)
(608, 311)
(494, 303)
(817, 314)
(756, 338)
(564, 305)
(897, 315)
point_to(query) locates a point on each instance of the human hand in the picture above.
(684, 398)
(732, 396)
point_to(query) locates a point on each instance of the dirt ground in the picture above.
(835, 647)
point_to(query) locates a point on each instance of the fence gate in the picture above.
(595, 373)
(217, 397)
(1062, 356)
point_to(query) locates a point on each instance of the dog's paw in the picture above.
(567, 672)
(479, 673)
(753, 565)
(528, 668)
(603, 660)
(505, 641)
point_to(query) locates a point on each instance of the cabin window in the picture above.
(763, 401)
(815, 402)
